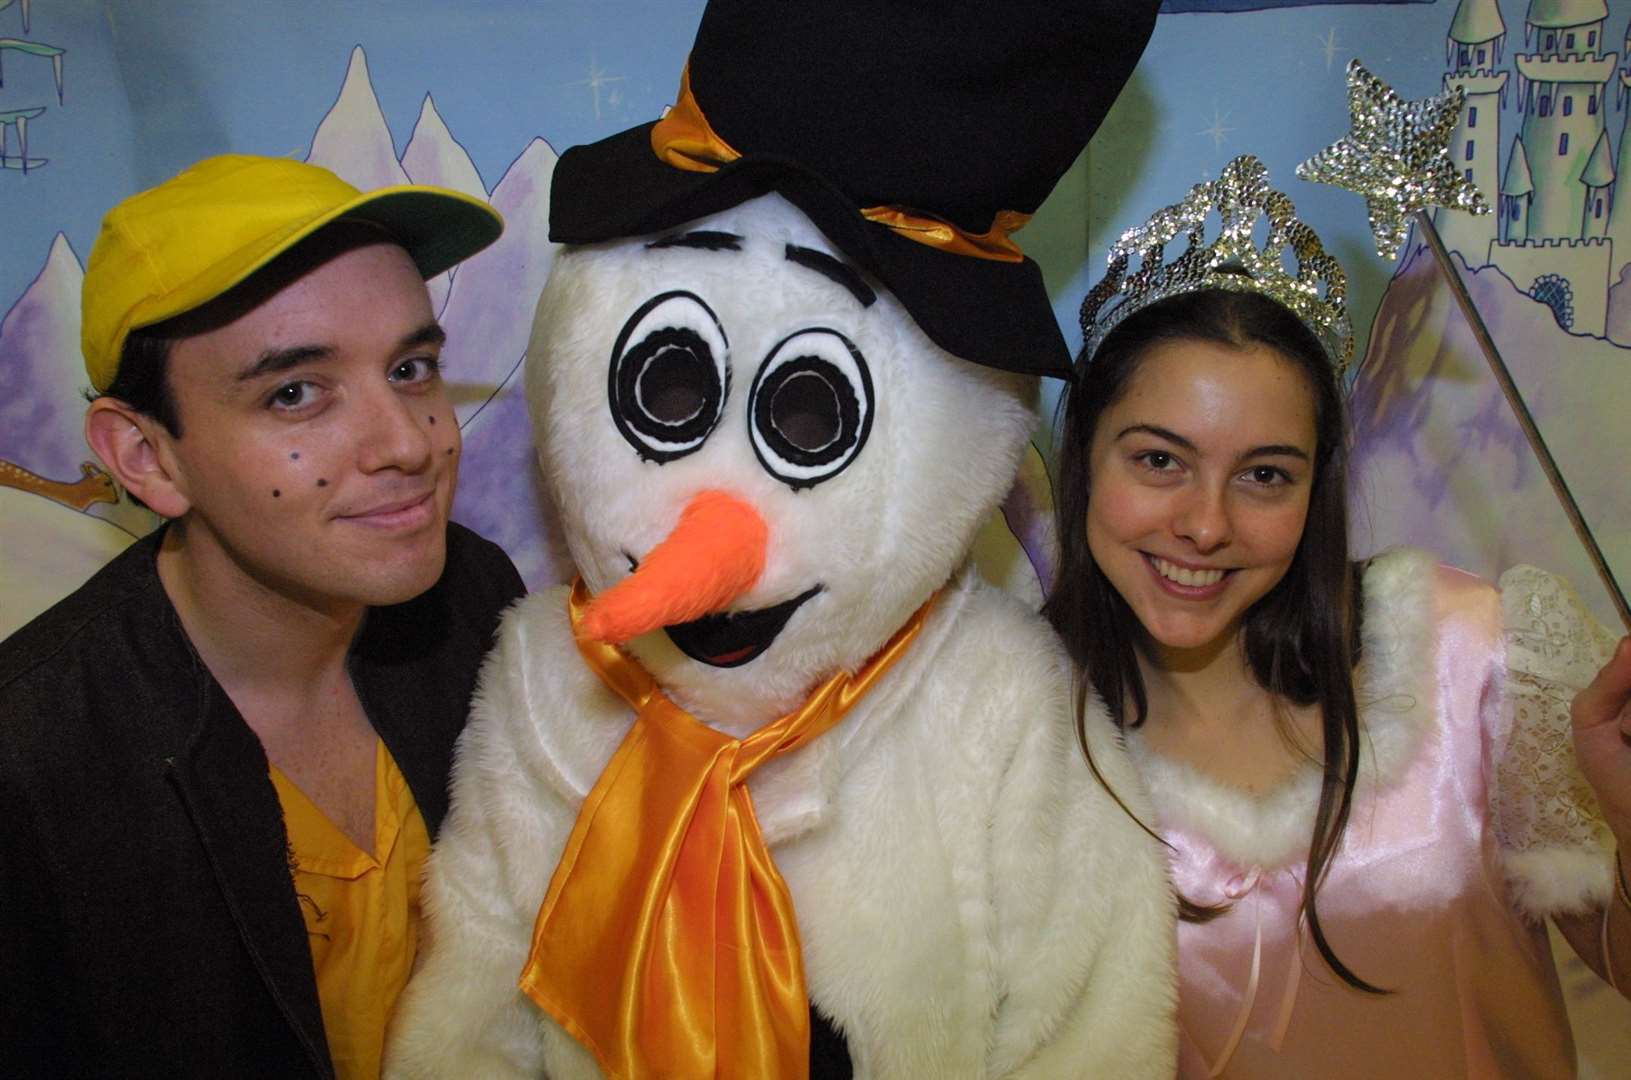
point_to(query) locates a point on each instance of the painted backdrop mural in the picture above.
(1543, 132)
(100, 99)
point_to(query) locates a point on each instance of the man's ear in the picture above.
(134, 448)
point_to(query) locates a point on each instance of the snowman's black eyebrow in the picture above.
(704, 239)
(834, 270)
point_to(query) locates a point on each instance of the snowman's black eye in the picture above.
(669, 376)
(810, 409)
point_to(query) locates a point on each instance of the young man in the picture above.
(222, 758)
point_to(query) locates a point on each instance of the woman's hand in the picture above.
(1602, 740)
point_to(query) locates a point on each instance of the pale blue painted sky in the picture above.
(151, 87)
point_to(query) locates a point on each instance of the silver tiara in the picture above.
(1316, 292)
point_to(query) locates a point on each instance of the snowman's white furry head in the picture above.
(741, 354)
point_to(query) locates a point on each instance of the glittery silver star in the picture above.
(1397, 155)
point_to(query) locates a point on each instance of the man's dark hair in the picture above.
(143, 379)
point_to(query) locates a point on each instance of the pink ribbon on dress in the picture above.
(1236, 889)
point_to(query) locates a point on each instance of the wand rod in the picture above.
(1560, 487)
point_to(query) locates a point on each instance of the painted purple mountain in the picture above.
(42, 411)
(42, 417)
(1439, 460)
(354, 142)
(488, 318)
(501, 494)
(434, 156)
(489, 311)
(353, 139)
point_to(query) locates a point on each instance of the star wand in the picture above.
(1397, 155)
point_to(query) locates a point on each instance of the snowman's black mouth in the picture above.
(736, 637)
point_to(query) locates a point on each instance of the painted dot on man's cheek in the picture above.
(294, 455)
(450, 451)
(432, 420)
(276, 494)
(321, 482)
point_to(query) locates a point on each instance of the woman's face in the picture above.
(1200, 481)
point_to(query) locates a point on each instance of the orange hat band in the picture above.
(684, 139)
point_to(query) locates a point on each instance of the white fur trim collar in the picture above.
(1394, 686)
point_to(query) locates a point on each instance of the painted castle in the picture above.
(1559, 232)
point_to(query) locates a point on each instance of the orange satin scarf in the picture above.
(684, 139)
(667, 942)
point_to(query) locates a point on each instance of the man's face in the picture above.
(319, 450)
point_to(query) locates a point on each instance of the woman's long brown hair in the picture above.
(1301, 640)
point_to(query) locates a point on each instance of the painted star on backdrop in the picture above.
(1329, 46)
(1397, 155)
(598, 78)
(1218, 129)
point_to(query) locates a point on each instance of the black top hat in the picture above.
(957, 110)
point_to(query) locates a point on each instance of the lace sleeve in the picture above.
(1557, 853)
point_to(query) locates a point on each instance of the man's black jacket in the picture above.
(148, 922)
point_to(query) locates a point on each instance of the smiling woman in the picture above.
(1203, 528)
(1370, 763)
(1195, 517)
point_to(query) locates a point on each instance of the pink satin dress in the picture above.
(1429, 895)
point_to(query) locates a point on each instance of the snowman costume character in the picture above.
(771, 452)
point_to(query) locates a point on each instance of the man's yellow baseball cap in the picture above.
(175, 247)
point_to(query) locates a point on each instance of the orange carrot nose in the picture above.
(715, 554)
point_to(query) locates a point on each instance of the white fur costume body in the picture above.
(970, 901)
